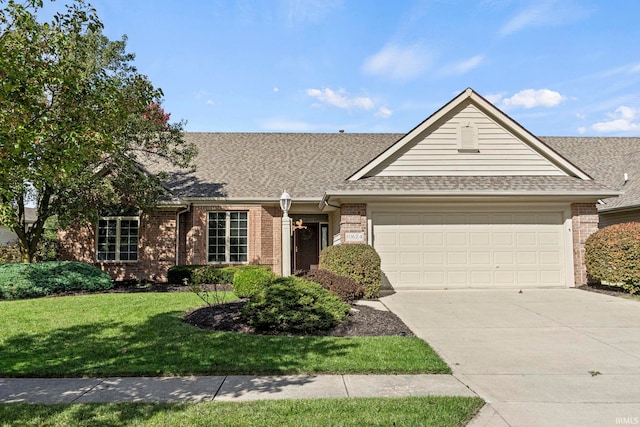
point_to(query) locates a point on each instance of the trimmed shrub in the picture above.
(612, 255)
(23, 280)
(213, 275)
(201, 274)
(360, 262)
(347, 289)
(249, 280)
(179, 273)
(293, 304)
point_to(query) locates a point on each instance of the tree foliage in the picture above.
(77, 121)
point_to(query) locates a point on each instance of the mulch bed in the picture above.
(604, 289)
(362, 321)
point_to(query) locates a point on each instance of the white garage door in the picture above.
(462, 250)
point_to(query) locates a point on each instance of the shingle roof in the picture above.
(606, 159)
(262, 165)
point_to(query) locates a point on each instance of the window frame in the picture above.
(227, 236)
(118, 237)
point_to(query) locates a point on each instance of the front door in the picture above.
(306, 246)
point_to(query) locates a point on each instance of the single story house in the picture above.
(7, 236)
(468, 198)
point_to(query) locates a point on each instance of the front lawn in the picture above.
(411, 411)
(142, 334)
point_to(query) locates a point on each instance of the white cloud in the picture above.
(546, 13)
(465, 66)
(624, 119)
(341, 99)
(530, 98)
(384, 113)
(399, 62)
(495, 98)
(276, 89)
(301, 12)
(211, 102)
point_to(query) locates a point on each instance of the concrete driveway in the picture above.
(539, 358)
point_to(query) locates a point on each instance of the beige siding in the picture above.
(436, 152)
(607, 219)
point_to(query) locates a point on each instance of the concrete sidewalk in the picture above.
(224, 388)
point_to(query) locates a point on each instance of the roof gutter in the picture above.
(392, 193)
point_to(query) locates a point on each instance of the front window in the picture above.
(118, 232)
(228, 237)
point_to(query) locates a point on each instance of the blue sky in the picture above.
(558, 67)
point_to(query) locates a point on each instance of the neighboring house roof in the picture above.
(606, 159)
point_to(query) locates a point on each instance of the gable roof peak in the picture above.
(493, 113)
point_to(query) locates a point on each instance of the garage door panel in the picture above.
(411, 258)
(433, 239)
(480, 258)
(481, 277)
(433, 258)
(409, 239)
(456, 258)
(503, 277)
(469, 249)
(527, 277)
(456, 239)
(527, 258)
(549, 277)
(457, 278)
(548, 239)
(503, 258)
(526, 239)
(479, 238)
(550, 258)
(411, 277)
(503, 239)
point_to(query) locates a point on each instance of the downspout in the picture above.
(185, 210)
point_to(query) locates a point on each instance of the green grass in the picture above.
(411, 411)
(142, 334)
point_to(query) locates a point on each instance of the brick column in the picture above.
(584, 218)
(353, 220)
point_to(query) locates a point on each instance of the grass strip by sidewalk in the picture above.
(423, 411)
(142, 334)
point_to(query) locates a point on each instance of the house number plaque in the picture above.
(354, 237)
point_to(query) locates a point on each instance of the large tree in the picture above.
(77, 121)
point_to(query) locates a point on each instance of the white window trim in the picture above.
(227, 238)
(118, 220)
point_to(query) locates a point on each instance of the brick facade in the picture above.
(353, 219)
(157, 242)
(156, 250)
(264, 234)
(584, 218)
